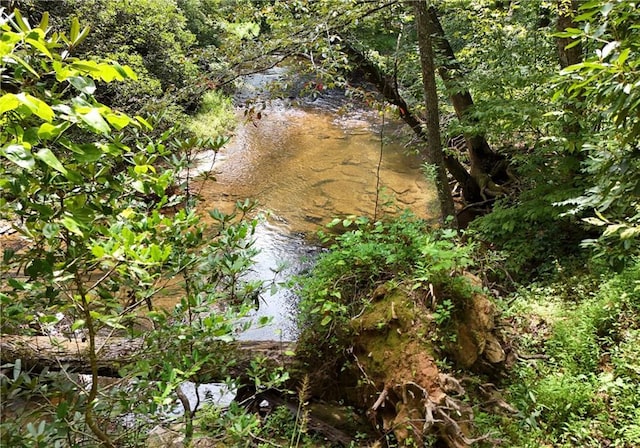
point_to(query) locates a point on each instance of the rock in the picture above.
(493, 351)
(205, 442)
(161, 437)
(475, 330)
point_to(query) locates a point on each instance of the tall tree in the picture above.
(569, 53)
(486, 165)
(434, 153)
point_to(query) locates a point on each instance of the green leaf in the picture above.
(125, 71)
(22, 23)
(82, 36)
(108, 73)
(117, 120)
(47, 131)
(88, 67)
(44, 22)
(143, 122)
(20, 155)
(327, 319)
(48, 157)
(98, 251)
(17, 368)
(75, 29)
(51, 230)
(8, 102)
(40, 46)
(83, 84)
(62, 410)
(77, 324)
(8, 41)
(94, 119)
(86, 153)
(37, 106)
(26, 65)
(624, 54)
(71, 225)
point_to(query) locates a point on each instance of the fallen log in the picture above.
(55, 353)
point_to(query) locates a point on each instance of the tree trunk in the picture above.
(43, 352)
(483, 159)
(387, 87)
(567, 57)
(434, 153)
(566, 13)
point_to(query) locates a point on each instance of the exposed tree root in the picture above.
(405, 392)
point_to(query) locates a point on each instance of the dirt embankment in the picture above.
(395, 357)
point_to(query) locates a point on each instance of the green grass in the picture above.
(215, 117)
(584, 393)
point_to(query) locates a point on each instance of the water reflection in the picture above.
(282, 255)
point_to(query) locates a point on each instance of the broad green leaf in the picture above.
(118, 120)
(77, 324)
(83, 215)
(71, 225)
(94, 119)
(63, 72)
(90, 67)
(47, 131)
(86, 153)
(48, 157)
(51, 230)
(20, 155)
(108, 73)
(139, 186)
(125, 71)
(37, 106)
(8, 41)
(98, 251)
(83, 84)
(8, 102)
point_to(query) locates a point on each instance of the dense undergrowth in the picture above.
(371, 255)
(576, 378)
(573, 372)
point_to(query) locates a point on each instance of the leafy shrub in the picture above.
(214, 117)
(373, 253)
(533, 234)
(564, 397)
(585, 393)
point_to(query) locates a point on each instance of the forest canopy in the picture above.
(515, 307)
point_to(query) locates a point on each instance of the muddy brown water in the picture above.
(306, 166)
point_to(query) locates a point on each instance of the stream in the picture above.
(306, 163)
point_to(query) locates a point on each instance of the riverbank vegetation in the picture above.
(511, 321)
